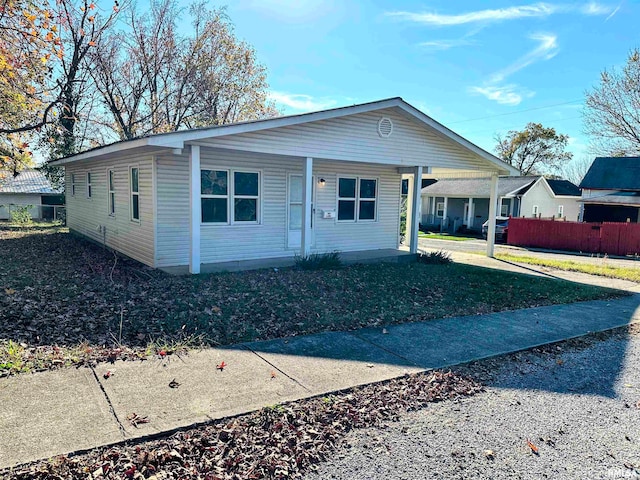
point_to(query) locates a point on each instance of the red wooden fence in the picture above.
(610, 238)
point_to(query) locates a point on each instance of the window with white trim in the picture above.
(534, 212)
(73, 184)
(111, 186)
(440, 209)
(134, 193)
(504, 209)
(560, 210)
(357, 199)
(230, 196)
(89, 186)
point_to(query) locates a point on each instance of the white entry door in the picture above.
(294, 210)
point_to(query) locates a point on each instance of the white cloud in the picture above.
(546, 50)
(300, 102)
(505, 95)
(594, 8)
(536, 10)
(612, 13)
(494, 15)
(446, 44)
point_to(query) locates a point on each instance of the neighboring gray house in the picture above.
(611, 190)
(452, 203)
(232, 195)
(29, 188)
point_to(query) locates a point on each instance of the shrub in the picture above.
(21, 215)
(315, 261)
(435, 258)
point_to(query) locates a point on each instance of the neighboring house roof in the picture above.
(619, 198)
(613, 173)
(176, 140)
(27, 181)
(478, 187)
(564, 188)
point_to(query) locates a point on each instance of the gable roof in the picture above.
(27, 181)
(177, 140)
(478, 187)
(563, 188)
(613, 173)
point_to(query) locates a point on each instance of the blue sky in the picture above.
(478, 67)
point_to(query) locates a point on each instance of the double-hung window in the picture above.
(89, 187)
(357, 198)
(440, 209)
(560, 210)
(134, 191)
(73, 184)
(230, 196)
(111, 185)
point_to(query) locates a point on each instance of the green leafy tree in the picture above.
(534, 150)
(612, 110)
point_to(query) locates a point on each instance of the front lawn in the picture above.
(610, 271)
(67, 301)
(445, 236)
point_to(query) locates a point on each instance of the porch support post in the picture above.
(415, 210)
(493, 199)
(470, 214)
(195, 207)
(307, 188)
(433, 207)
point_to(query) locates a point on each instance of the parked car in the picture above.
(502, 228)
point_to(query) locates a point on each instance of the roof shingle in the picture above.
(27, 181)
(613, 173)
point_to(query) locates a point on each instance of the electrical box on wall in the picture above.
(328, 214)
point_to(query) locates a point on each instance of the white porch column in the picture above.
(493, 199)
(415, 210)
(307, 188)
(195, 207)
(470, 214)
(433, 207)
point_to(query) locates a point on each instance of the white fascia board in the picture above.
(120, 147)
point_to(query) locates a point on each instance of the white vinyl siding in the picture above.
(549, 205)
(240, 241)
(133, 239)
(9, 202)
(355, 138)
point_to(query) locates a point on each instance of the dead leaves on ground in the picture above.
(134, 419)
(278, 442)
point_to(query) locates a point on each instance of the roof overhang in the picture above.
(178, 140)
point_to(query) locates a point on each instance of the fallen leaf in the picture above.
(489, 454)
(135, 419)
(107, 374)
(385, 331)
(174, 384)
(221, 366)
(273, 375)
(532, 446)
(9, 291)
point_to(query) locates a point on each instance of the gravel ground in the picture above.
(578, 402)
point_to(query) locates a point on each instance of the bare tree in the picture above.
(153, 80)
(612, 110)
(576, 169)
(534, 150)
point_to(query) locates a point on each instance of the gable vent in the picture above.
(385, 127)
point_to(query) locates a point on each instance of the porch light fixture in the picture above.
(321, 182)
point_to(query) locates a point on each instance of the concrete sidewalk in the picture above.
(57, 412)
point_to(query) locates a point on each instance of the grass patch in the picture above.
(445, 236)
(316, 261)
(610, 271)
(435, 258)
(68, 301)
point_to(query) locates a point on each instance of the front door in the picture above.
(294, 210)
